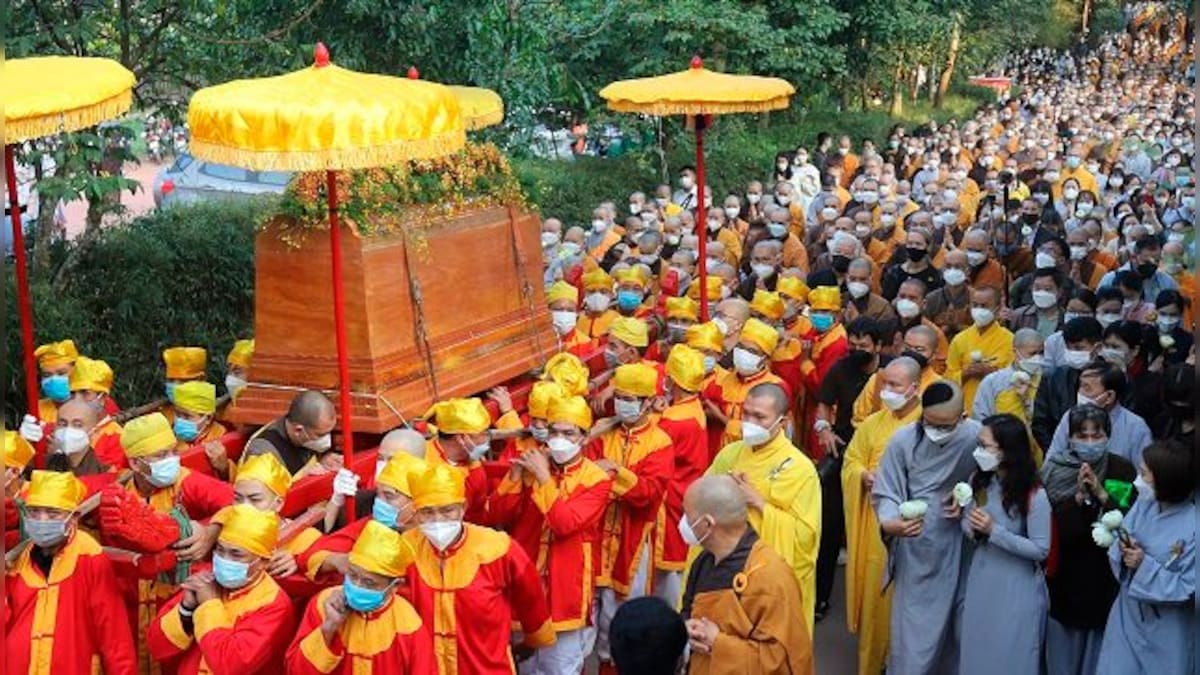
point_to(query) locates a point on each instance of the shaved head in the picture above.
(925, 335)
(402, 440)
(310, 408)
(718, 496)
(903, 368)
(1028, 339)
(77, 409)
(949, 400)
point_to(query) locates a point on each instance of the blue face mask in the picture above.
(56, 388)
(362, 599)
(822, 322)
(186, 430)
(170, 390)
(164, 471)
(385, 513)
(230, 574)
(628, 300)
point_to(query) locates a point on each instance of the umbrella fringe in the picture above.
(665, 108)
(335, 159)
(24, 129)
(485, 120)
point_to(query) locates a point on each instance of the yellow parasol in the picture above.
(326, 118)
(701, 93)
(47, 95)
(480, 107)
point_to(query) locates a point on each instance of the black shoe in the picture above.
(821, 610)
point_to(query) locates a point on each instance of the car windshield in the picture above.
(224, 172)
(183, 162)
(274, 177)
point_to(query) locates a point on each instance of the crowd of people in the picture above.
(957, 365)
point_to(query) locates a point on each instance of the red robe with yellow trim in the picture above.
(827, 348)
(242, 632)
(72, 622)
(389, 640)
(645, 462)
(593, 327)
(476, 481)
(338, 541)
(728, 391)
(577, 343)
(686, 424)
(201, 497)
(470, 595)
(558, 526)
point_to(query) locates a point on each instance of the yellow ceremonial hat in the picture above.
(683, 308)
(268, 470)
(826, 298)
(381, 550)
(56, 354)
(705, 336)
(635, 275)
(631, 331)
(54, 490)
(597, 280)
(196, 397)
(571, 410)
(568, 372)
(540, 396)
(636, 379)
(438, 485)
(460, 416)
(767, 304)
(793, 288)
(397, 473)
(248, 528)
(241, 353)
(685, 367)
(91, 375)
(713, 284)
(185, 363)
(147, 435)
(760, 335)
(561, 291)
(17, 450)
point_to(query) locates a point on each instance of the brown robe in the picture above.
(754, 599)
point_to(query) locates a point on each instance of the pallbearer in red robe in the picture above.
(470, 583)
(824, 345)
(684, 422)
(553, 499)
(462, 443)
(563, 301)
(233, 620)
(364, 626)
(63, 612)
(726, 394)
(17, 454)
(92, 380)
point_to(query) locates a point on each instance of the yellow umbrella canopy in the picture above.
(324, 118)
(46, 95)
(480, 107)
(698, 91)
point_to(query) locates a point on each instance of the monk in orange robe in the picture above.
(233, 619)
(470, 583)
(63, 611)
(365, 626)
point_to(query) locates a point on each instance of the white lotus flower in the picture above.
(913, 509)
(1166, 341)
(1102, 536)
(976, 356)
(1112, 520)
(1020, 377)
(963, 494)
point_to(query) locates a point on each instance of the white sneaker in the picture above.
(842, 558)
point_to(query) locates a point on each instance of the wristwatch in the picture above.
(821, 425)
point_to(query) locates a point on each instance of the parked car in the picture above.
(190, 179)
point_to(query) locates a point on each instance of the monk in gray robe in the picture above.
(920, 467)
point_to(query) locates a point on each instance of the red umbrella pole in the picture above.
(24, 307)
(339, 322)
(701, 217)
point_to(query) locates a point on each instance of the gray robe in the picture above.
(926, 570)
(1152, 625)
(1006, 580)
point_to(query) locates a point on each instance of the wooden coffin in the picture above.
(478, 291)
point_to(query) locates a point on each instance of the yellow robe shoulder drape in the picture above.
(994, 344)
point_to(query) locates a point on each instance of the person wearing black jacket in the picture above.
(1082, 484)
(1059, 388)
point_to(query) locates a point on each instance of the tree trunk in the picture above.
(1085, 17)
(897, 106)
(948, 72)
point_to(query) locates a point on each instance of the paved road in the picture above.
(835, 646)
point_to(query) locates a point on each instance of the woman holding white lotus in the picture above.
(1006, 518)
(1082, 484)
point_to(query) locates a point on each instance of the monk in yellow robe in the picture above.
(742, 607)
(868, 606)
(981, 349)
(780, 486)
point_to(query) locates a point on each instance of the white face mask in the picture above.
(907, 309)
(686, 182)
(954, 276)
(549, 239)
(1145, 490)
(1045, 299)
(1114, 356)
(721, 326)
(1044, 261)
(562, 450)
(70, 440)
(1079, 252)
(597, 302)
(1084, 399)
(599, 225)
(985, 459)
(688, 534)
(982, 316)
(893, 400)
(234, 384)
(442, 533)
(732, 212)
(1076, 358)
(564, 321)
(1108, 318)
(753, 197)
(755, 435)
(714, 225)
(762, 270)
(857, 289)
(783, 200)
(628, 411)
(976, 258)
(320, 444)
(939, 436)
(745, 362)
